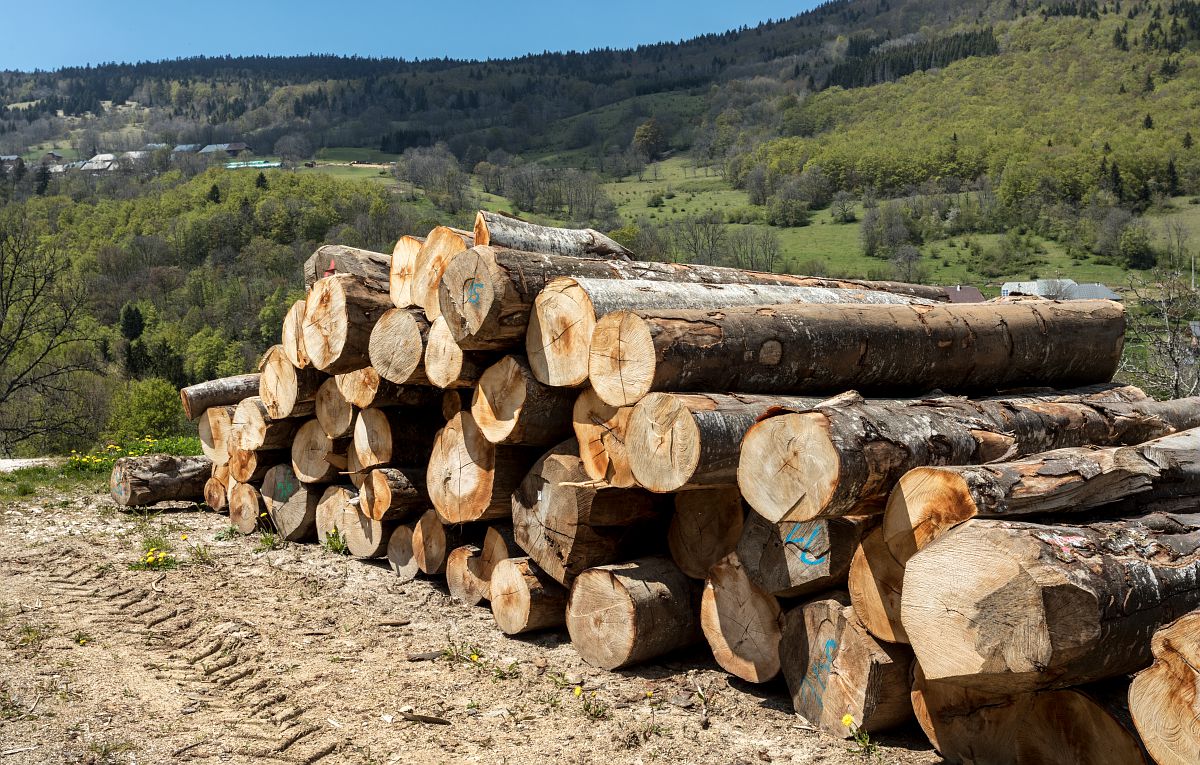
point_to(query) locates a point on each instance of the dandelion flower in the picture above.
(183, 537)
(474, 657)
(649, 694)
(847, 720)
(578, 690)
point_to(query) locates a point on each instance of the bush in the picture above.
(147, 407)
(788, 213)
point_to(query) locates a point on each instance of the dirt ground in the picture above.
(244, 654)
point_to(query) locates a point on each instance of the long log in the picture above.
(808, 349)
(364, 538)
(442, 244)
(469, 567)
(393, 436)
(400, 274)
(559, 338)
(315, 456)
(502, 230)
(291, 505)
(792, 559)
(339, 314)
(446, 364)
(876, 581)
(525, 599)
(511, 407)
(1163, 698)
(333, 411)
(629, 613)
(834, 668)
(285, 390)
(400, 553)
(216, 488)
(247, 513)
(600, 430)
(371, 267)
(471, 479)
(845, 456)
(292, 336)
(741, 622)
(227, 391)
(394, 494)
(254, 429)
(397, 346)
(677, 441)
(144, 481)
(705, 527)
(365, 388)
(1048, 606)
(216, 429)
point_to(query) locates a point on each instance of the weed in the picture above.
(559, 679)
(461, 653)
(157, 557)
(594, 708)
(863, 745)
(24, 489)
(635, 736)
(81, 638)
(31, 636)
(9, 708)
(201, 555)
(336, 543)
(268, 541)
(105, 752)
(511, 672)
(227, 534)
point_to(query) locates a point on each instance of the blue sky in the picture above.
(76, 32)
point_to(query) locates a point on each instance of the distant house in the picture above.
(101, 163)
(8, 160)
(1059, 289)
(186, 148)
(964, 293)
(52, 158)
(229, 149)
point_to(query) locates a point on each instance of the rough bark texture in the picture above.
(393, 436)
(334, 412)
(600, 430)
(292, 336)
(397, 346)
(371, 267)
(705, 527)
(216, 429)
(254, 429)
(447, 365)
(812, 349)
(876, 582)
(792, 559)
(144, 481)
(1004, 607)
(363, 537)
(471, 479)
(469, 568)
(291, 505)
(400, 274)
(502, 230)
(315, 456)
(741, 622)
(628, 613)
(339, 314)
(285, 390)
(246, 510)
(396, 494)
(400, 553)
(511, 407)
(524, 599)
(442, 244)
(1165, 698)
(227, 391)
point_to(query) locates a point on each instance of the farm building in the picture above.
(1059, 289)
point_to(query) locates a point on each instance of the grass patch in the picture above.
(267, 541)
(336, 543)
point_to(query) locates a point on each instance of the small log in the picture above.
(600, 430)
(397, 347)
(503, 230)
(291, 505)
(447, 365)
(372, 267)
(216, 488)
(247, 465)
(144, 481)
(334, 412)
(524, 599)
(396, 494)
(469, 568)
(1048, 606)
(227, 391)
(741, 622)
(356, 474)
(876, 581)
(314, 454)
(834, 668)
(246, 509)
(393, 436)
(791, 559)
(292, 336)
(432, 542)
(1163, 698)
(629, 613)
(439, 247)
(364, 538)
(365, 388)
(511, 407)
(455, 401)
(400, 274)
(705, 527)
(286, 391)
(400, 553)
(254, 429)
(471, 479)
(338, 317)
(216, 429)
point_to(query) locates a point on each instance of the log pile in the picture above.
(654, 456)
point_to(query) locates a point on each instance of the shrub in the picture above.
(147, 407)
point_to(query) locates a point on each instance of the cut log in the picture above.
(1163, 698)
(216, 430)
(291, 505)
(284, 390)
(876, 581)
(524, 599)
(432, 542)
(791, 559)
(455, 401)
(393, 436)
(442, 244)
(471, 479)
(705, 527)
(246, 465)
(372, 267)
(404, 261)
(567, 523)
(246, 510)
(844, 457)
(400, 553)
(469, 568)
(356, 474)
(365, 388)
(338, 318)
(1044, 607)
(834, 668)
(559, 338)
(1052, 727)
(227, 391)
(831, 348)
(363, 537)
(677, 441)
(254, 429)
(511, 407)
(395, 494)
(144, 481)
(292, 336)
(314, 454)
(741, 622)
(216, 488)
(600, 430)
(629, 613)
(334, 412)
(500, 230)
(447, 365)
(397, 347)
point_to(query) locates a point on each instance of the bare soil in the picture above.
(243, 654)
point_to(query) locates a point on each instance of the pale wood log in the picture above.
(338, 317)
(846, 455)
(502, 230)
(400, 553)
(442, 244)
(448, 366)
(471, 479)
(559, 338)
(525, 599)
(314, 454)
(741, 622)
(629, 613)
(365, 388)
(469, 567)
(432, 542)
(677, 441)
(247, 465)
(364, 538)
(792, 559)
(216, 429)
(284, 390)
(394, 494)
(600, 430)
(291, 505)
(511, 407)
(144, 481)
(455, 401)
(876, 581)
(397, 347)
(393, 436)
(356, 474)
(1006, 607)
(333, 411)
(1164, 698)
(705, 527)
(400, 274)
(216, 488)
(292, 336)
(372, 267)
(246, 510)
(254, 429)
(830, 348)
(227, 391)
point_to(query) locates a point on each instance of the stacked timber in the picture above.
(899, 505)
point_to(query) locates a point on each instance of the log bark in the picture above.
(567, 523)
(397, 346)
(400, 553)
(216, 488)
(559, 338)
(371, 267)
(845, 456)
(600, 430)
(315, 455)
(254, 429)
(247, 512)
(393, 436)
(511, 407)
(447, 365)
(471, 479)
(400, 274)
(365, 388)
(227, 391)
(144, 481)
(469, 567)
(246, 465)
(790, 560)
(442, 244)
(1164, 698)
(364, 538)
(333, 411)
(677, 441)
(338, 317)
(1048, 606)
(394, 494)
(876, 582)
(705, 527)
(500, 230)
(807, 349)
(291, 505)
(525, 599)
(834, 668)
(629, 613)
(292, 336)
(741, 622)
(216, 429)
(285, 390)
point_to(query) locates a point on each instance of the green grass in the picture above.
(352, 154)
(352, 173)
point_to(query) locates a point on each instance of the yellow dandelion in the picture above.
(649, 694)
(82, 641)
(847, 720)
(578, 690)
(262, 515)
(183, 537)
(474, 657)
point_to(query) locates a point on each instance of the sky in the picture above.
(78, 32)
